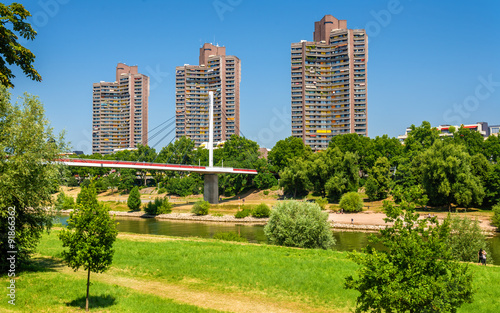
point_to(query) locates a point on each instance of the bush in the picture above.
(262, 210)
(162, 190)
(351, 202)
(299, 224)
(466, 238)
(85, 183)
(265, 192)
(322, 202)
(64, 202)
(230, 236)
(496, 216)
(158, 206)
(243, 213)
(201, 207)
(183, 186)
(134, 199)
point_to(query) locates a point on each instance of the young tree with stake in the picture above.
(90, 235)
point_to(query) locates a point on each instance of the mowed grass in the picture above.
(312, 278)
(51, 291)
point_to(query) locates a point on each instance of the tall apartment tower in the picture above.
(329, 83)
(120, 111)
(217, 72)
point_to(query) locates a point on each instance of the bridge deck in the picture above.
(155, 166)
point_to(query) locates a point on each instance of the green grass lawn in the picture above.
(308, 278)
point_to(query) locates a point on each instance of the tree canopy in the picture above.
(13, 20)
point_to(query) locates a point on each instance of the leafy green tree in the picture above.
(466, 238)
(112, 180)
(471, 139)
(447, 176)
(492, 148)
(127, 179)
(294, 178)
(89, 237)
(13, 19)
(351, 202)
(287, 149)
(265, 180)
(344, 174)
(415, 272)
(420, 138)
(356, 144)
(299, 224)
(378, 183)
(134, 199)
(383, 146)
(183, 186)
(496, 216)
(27, 180)
(144, 154)
(322, 202)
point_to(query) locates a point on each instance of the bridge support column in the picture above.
(211, 188)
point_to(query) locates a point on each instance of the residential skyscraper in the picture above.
(120, 111)
(329, 87)
(217, 72)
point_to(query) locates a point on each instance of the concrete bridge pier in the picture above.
(211, 188)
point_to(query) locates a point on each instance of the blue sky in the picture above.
(428, 60)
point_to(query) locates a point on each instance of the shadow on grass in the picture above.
(101, 301)
(42, 264)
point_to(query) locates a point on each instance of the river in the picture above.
(346, 240)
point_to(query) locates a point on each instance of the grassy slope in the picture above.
(310, 278)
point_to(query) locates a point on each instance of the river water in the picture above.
(346, 240)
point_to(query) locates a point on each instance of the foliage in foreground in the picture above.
(351, 202)
(27, 181)
(201, 208)
(299, 224)
(415, 272)
(89, 236)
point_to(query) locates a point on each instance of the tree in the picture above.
(13, 20)
(377, 185)
(351, 202)
(415, 270)
(27, 180)
(447, 176)
(201, 207)
(356, 144)
(89, 237)
(144, 154)
(134, 199)
(294, 178)
(420, 138)
(299, 224)
(287, 149)
(471, 139)
(496, 216)
(492, 148)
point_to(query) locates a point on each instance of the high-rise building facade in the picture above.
(120, 111)
(217, 72)
(329, 84)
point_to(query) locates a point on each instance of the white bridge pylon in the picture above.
(155, 166)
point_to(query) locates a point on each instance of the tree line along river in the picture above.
(346, 240)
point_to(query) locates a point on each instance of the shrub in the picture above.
(299, 224)
(201, 207)
(322, 202)
(64, 202)
(162, 190)
(262, 210)
(134, 199)
(496, 216)
(265, 192)
(243, 213)
(351, 202)
(158, 206)
(466, 238)
(230, 236)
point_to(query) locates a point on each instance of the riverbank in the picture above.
(153, 273)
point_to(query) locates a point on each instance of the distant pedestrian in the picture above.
(482, 256)
(352, 221)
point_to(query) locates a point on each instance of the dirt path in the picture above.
(227, 302)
